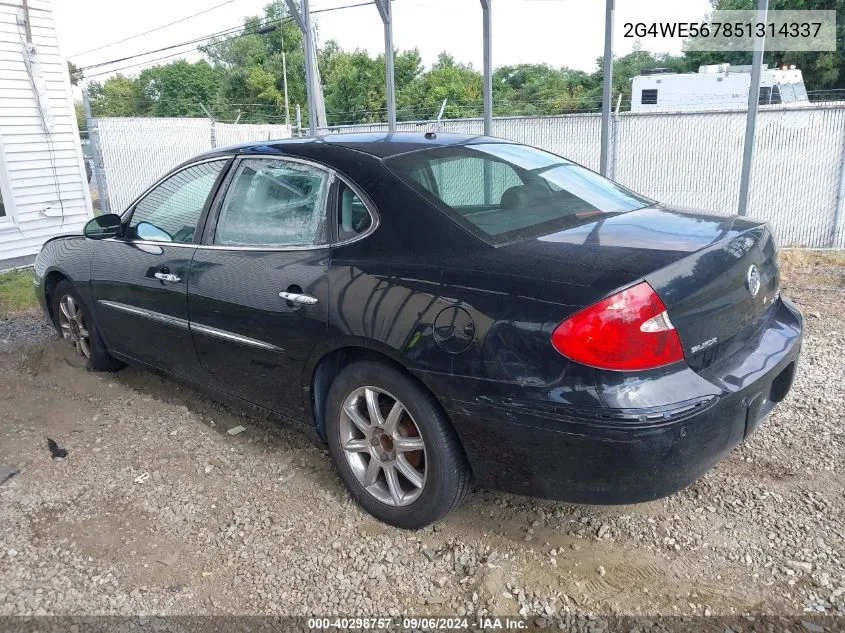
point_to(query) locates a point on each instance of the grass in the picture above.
(818, 268)
(16, 292)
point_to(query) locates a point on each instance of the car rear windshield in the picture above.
(503, 192)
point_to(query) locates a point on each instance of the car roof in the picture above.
(378, 144)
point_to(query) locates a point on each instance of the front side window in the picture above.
(273, 202)
(171, 211)
(505, 192)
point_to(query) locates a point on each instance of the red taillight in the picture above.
(627, 331)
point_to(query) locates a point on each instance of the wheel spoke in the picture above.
(63, 307)
(372, 472)
(83, 331)
(357, 446)
(372, 407)
(404, 444)
(84, 347)
(393, 484)
(65, 327)
(392, 420)
(410, 473)
(71, 306)
(357, 419)
(382, 445)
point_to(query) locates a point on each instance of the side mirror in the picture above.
(152, 233)
(102, 227)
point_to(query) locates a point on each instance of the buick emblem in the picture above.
(752, 280)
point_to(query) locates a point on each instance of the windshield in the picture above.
(504, 192)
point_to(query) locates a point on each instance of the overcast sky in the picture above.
(557, 32)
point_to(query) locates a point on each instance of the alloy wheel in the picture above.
(383, 446)
(73, 325)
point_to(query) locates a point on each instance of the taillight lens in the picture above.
(628, 331)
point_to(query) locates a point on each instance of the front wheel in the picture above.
(76, 325)
(394, 447)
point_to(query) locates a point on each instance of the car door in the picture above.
(140, 281)
(258, 287)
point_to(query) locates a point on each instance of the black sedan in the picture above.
(442, 309)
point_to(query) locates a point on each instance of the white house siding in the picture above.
(37, 170)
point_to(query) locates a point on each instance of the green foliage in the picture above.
(81, 123)
(117, 96)
(243, 78)
(821, 71)
(74, 72)
(16, 292)
(178, 88)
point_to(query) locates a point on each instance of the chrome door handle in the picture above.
(167, 277)
(301, 299)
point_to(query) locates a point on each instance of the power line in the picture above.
(224, 33)
(148, 61)
(158, 28)
(229, 31)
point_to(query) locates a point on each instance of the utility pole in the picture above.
(753, 100)
(386, 14)
(303, 20)
(284, 62)
(607, 86)
(488, 67)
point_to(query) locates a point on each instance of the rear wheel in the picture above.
(394, 447)
(77, 326)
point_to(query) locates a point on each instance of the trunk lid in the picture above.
(719, 291)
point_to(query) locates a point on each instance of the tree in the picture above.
(539, 89)
(178, 88)
(821, 70)
(626, 68)
(79, 111)
(459, 83)
(74, 72)
(250, 67)
(117, 96)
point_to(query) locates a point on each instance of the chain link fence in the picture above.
(692, 160)
(130, 154)
(689, 160)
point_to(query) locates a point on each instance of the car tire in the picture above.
(76, 324)
(441, 466)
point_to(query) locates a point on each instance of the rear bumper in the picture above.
(619, 456)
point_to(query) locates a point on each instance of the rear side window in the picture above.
(503, 192)
(353, 218)
(273, 202)
(649, 97)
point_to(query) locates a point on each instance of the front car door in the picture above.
(139, 282)
(258, 287)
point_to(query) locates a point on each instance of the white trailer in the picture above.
(714, 87)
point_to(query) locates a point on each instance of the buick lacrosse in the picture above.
(442, 310)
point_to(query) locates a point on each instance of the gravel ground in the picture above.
(158, 510)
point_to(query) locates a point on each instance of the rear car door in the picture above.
(258, 290)
(140, 282)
